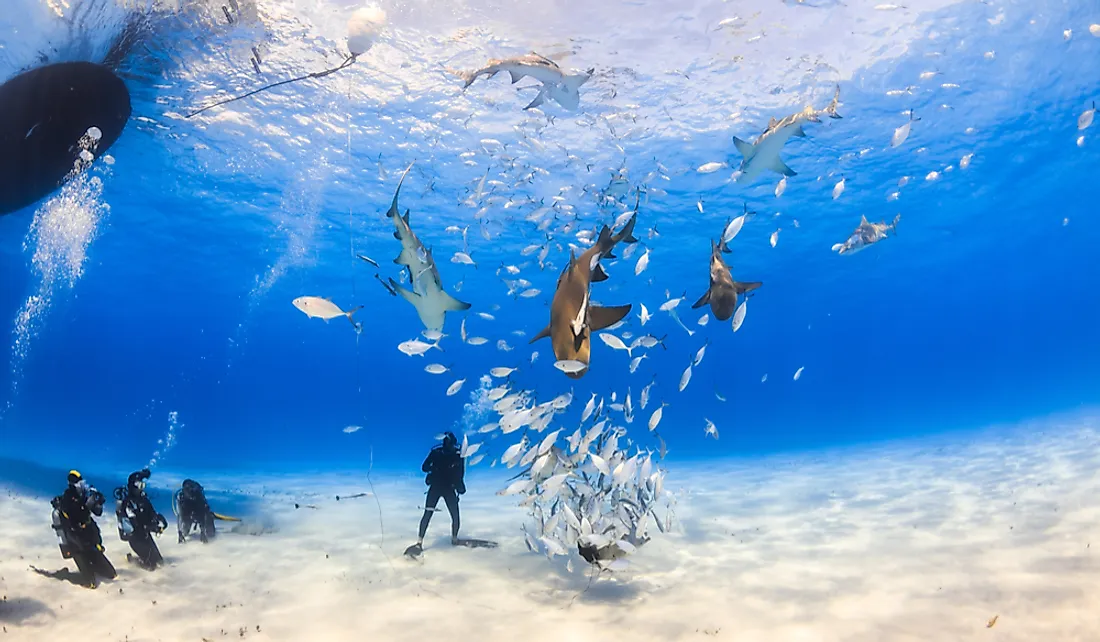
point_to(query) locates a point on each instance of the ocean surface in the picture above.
(148, 308)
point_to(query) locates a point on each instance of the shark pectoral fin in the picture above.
(743, 288)
(516, 76)
(747, 149)
(799, 132)
(408, 295)
(397, 236)
(703, 300)
(600, 317)
(598, 274)
(545, 332)
(539, 99)
(780, 167)
(452, 304)
(575, 81)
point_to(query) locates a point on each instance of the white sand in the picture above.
(913, 541)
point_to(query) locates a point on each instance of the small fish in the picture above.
(902, 133)
(614, 342)
(1086, 117)
(965, 161)
(781, 187)
(501, 372)
(685, 378)
(528, 294)
(476, 459)
(463, 258)
(774, 238)
(316, 307)
(704, 320)
(571, 366)
(455, 387)
(635, 362)
(699, 355)
(642, 264)
(992, 621)
(477, 341)
(351, 429)
(838, 189)
(710, 168)
(486, 316)
(534, 356)
(416, 347)
(503, 346)
(739, 315)
(710, 430)
(798, 373)
(732, 230)
(670, 304)
(644, 314)
(436, 368)
(368, 259)
(432, 335)
(655, 418)
(764, 378)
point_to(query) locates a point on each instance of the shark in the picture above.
(866, 234)
(764, 152)
(723, 291)
(573, 317)
(557, 85)
(427, 294)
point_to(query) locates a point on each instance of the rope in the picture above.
(318, 74)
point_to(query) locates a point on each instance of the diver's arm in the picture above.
(427, 466)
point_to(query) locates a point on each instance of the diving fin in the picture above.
(600, 317)
(225, 518)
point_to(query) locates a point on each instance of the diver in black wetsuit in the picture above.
(445, 470)
(78, 534)
(138, 521)
(192, 510)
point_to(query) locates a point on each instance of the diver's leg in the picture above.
(207, 530)
(103, 566)
(184, 526)
(429, 505)
(86, 568)
(142, 543)
(155, 558)
(451, 497)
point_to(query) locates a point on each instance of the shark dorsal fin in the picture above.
(863, 220)
(406, 217)
(772, 122)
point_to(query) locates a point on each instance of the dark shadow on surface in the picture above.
(20, 609)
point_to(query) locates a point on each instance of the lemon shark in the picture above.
(572, 316)
(557, 85)
(723, 291)
(764, 152)
(866, 234)
(427, 294)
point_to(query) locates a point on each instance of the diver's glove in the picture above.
(461, 488)
(161, 523)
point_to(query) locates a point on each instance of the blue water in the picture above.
(982, 309)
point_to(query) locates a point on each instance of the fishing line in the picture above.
(317, 74)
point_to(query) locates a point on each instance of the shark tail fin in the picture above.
(747, 149)
(600, 317)
(626, 235)
(545, 332)
(394, 212)
(539, 99)
(574, 81)
(744, 288)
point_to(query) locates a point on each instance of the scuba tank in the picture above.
(125, 525)
(59, 529)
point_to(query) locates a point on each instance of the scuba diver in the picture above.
(78, 534)
(192, 511)
(445, 470)
(138, 521)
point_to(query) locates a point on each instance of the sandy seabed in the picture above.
(909, 541)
